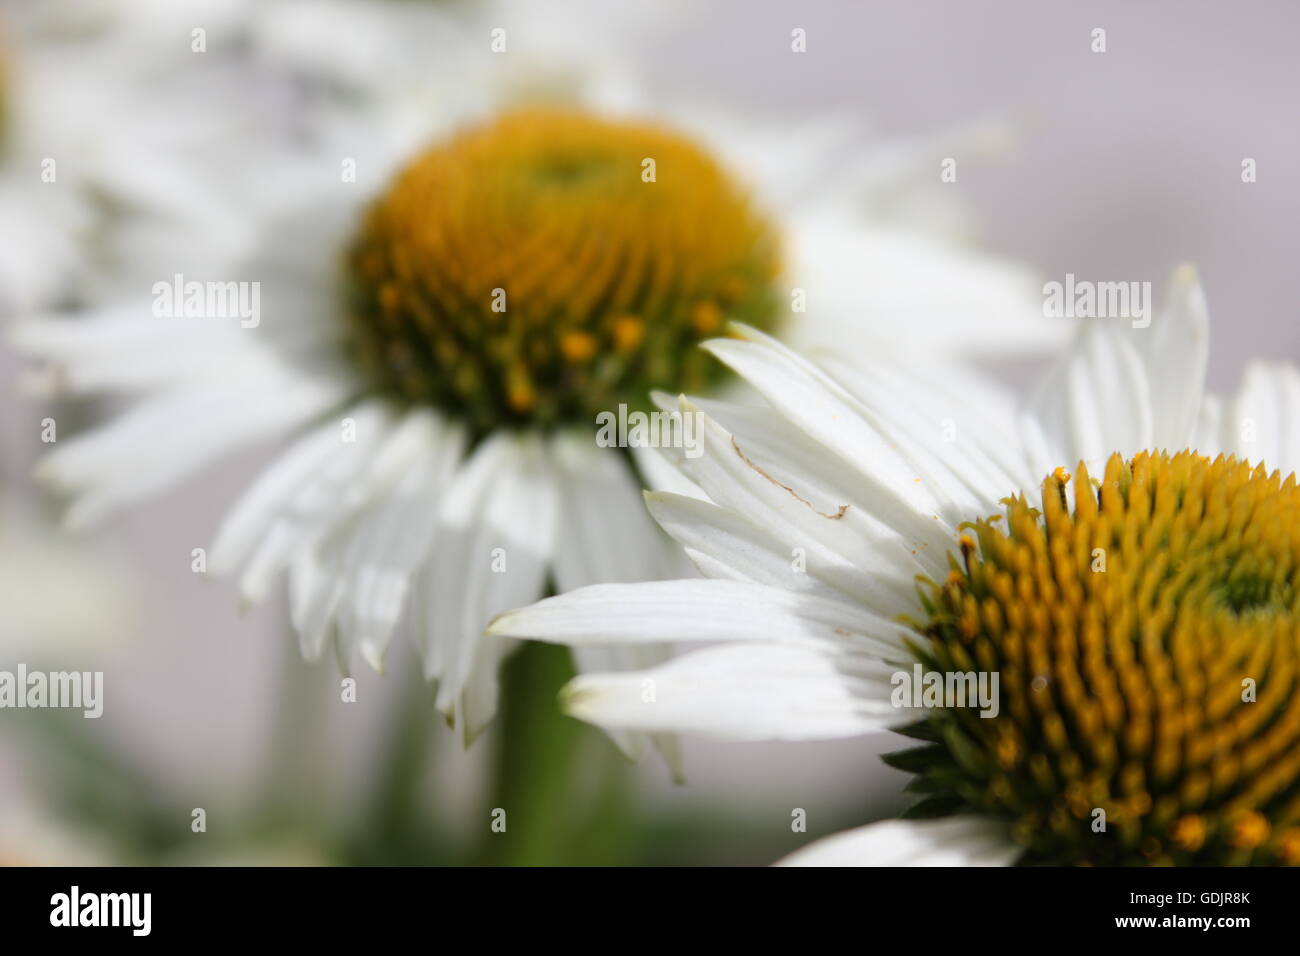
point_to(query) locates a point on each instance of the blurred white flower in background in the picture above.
(118, 138)
(423, 438)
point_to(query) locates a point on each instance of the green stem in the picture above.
(537, 750)
(291, 757)
(398, 813)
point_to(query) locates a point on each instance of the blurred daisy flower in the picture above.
(482, 246)
(862, 529)
(107, 147)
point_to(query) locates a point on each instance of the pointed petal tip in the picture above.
(500, 625)
(1186, 274)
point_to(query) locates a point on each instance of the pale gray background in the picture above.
(1128, 162)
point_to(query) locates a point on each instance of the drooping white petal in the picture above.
(256, 509)
(350, 582)
(392, 541)
(492, 544)
(948, 841)
(744, 691)
(337, 488)
(608, 534)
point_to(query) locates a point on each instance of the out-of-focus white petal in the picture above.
(1175, 351)
(949, 841)
(1261, 422)
(492, 544)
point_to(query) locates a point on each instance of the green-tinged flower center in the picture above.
(1147, 646)
(551, 264)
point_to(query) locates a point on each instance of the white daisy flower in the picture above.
(865, 532)
(438, 333)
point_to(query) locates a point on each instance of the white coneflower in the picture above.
(435, 352)
(1142, 614)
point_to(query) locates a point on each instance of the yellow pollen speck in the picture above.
(520, 393)
(1250, 830)
(1288, 847)
(390, 297)
(629, 331)
(1189, 833)
(707, 318)
(578, 346)
(734, 289)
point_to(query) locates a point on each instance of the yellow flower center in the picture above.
(1147, 644)
(551, 264)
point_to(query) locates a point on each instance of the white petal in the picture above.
(948, 414)
(658, 472)
(873, 290)
(817, 510)
(700, 610)
(745, 691)
(724, 544)
(894, 488)
(255, 510)
(499, 508)
(598, 494)
(113, 349)
(375, 544)
(331, 495)
(1095, 401)
(949, 841)
(1176, 351)
(169, 436)
(1261, 423)
(392, 541)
